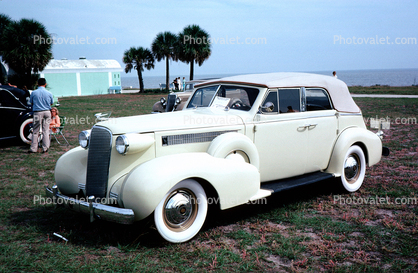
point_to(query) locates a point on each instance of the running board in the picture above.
(290, 183)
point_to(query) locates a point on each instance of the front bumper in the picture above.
(95, 210)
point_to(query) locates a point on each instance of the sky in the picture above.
(245, 36)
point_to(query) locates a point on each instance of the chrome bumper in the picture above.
(95, 210)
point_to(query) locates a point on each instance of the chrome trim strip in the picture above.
(13, 108)
(350, 114)
(95, 210)
(113, 195)
(294, 118)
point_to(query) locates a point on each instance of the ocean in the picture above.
(391, 77)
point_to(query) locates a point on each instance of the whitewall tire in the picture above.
(182, 212)
(353, 169)
(25, 132)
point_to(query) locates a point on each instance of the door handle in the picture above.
(313, 125)
(309, 126)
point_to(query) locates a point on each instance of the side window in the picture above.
(266, 106)
(317, 99)
(8, 99)
(289, 100)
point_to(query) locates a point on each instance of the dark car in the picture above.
(16, 117)
(176, 100)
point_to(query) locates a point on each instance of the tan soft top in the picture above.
(337, 89)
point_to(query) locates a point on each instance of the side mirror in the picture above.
(268, 107)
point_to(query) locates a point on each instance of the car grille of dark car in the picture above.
(171, 100)
(98, 161)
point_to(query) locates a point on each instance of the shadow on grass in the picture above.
(76, 227)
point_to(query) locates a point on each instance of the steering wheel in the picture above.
(236, 104)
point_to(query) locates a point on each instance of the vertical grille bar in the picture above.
(98, 162)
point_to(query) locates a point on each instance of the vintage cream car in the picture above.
(239, 139)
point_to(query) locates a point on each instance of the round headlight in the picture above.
(162, 100)
(178, 100)
(83, 139)
(122, 144)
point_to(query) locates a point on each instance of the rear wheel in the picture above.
(182, 212)
(354, 169)
(25, 131)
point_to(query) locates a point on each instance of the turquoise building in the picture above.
(82, 77)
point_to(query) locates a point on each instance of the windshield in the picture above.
(234, 97)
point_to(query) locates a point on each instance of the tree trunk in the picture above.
(167, 73)
(141, 81)
(191, 69)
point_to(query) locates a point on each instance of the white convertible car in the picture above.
(238, 139)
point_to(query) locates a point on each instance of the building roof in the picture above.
(338, 90)
(82, 65)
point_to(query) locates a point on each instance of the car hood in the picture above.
(180, 120)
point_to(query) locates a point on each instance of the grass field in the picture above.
(315, 228)
(385, 90)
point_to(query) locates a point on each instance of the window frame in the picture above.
(324, 92)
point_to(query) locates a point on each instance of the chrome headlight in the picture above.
(162, 100)
(133, 143)
(178, 100)
(122, 144)
(84, 138)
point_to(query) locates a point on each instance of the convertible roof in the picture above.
(337, 89)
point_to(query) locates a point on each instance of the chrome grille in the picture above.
(98, 162)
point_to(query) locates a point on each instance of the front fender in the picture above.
(146, 185)
(70, 170)
(158, 107)
(367, 140)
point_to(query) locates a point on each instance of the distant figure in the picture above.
(334, 74)
(179, 83)
(41, 101)
(184, 84)
(176, 85)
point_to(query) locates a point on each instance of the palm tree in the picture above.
(26, 48)
(138, 59)
(195, 46)
(164, 46)
(4, 22)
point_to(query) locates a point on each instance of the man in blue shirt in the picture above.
(41, 100)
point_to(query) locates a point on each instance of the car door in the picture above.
(322, 128)
(9, 111)
(281, 136)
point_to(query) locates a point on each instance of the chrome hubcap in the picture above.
(352, 168)
(180, 210)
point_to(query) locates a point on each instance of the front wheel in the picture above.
(182, 212)
(354, 169)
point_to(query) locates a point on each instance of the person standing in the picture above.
(184, 84)
(334, 74)
(41, 100)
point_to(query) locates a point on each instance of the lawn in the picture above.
(307, 229)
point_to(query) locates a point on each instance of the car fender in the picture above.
(21, 118)
(70, 170)
(158, 107)
(367, 140)
(145, 186)
(226, 143)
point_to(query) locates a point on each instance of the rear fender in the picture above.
(367, 140)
